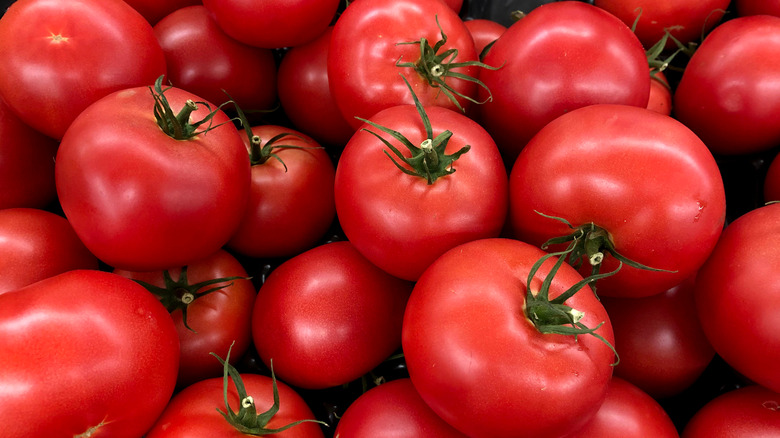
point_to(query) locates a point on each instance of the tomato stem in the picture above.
(178, 125)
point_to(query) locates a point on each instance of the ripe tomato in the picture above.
(559, 57)
(734, 110)
(643, 177)
(328, 316)
(772, 181)
(748, 412)
(482, 365)
(142, 200)
(103, 45)
(98, 352)
(757, 7)
(737, 292)
(155, 10)
(484, 32)
(660, 99)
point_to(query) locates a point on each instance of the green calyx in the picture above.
(177, 125)
(654, 60)
(428, 161)
(436, 67)
(246, 420)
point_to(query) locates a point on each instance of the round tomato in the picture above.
(95, 351)
(772, 181)
(650, 186)
(141, 199)
(103, 45)
(484, 32)
(748, 412)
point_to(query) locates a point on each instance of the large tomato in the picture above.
(644, 179)
(60, 56)
(94, 351)
(142, 199)
(477, 359)
(559, 57)
(748, 412)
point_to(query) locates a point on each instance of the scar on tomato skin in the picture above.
(58, 38)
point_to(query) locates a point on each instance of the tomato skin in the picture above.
(94, 349)
(772, 181)
(642, 176)
(393, 409)
(203, 60)
(473, 354)
(757, 7)
(105, 36)
(192, 412)
(548, 69)
(660, 95)
(737, 291)
(484, 31)
(155, 10)
(734, 111)
(400, 222)
(747, 412)
(328, 316)
(290, 209)
(141, 200)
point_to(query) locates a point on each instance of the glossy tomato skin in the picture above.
(37, 244)
(328, 316)
(289, 210)
(155, 10)
(365, 47)
(40, 39)
(737, 291)
(192, 412)
(141, 200)
(734, 110)
(748, 412)
(560, 57)
(399, 221)
(393, 409)
(772, 181)
(473, 354)
(660, 99)
(218, 320)
(484, 31)
(100, 355)
(205, 61)
(642, 176)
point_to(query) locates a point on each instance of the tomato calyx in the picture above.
(178, 125)
(179, 294)
(436, 67)
(247, 420)
(428, 161)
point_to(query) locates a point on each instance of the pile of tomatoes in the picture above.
(417, 218)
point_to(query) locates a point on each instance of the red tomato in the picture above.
(26, 163)
(484, 31)
(662, 347)
(273, 24)
(304, 93)
(203, 60)
(643, 177)
(219, 314)
(94, 349)
(328, 316)
(374, 32)
(660, 94)
(734, 110)
(103, 45)
(401, 222)
(291, 204)
(749, 412)
(393, 409)
(559, 57)
(479, 362)
(155, 10)
(772, 181)
(142, 200)
(757, 7)
(738, 292)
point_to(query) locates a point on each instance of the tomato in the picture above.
(155, 10)
(95, 350)
(291, 204)
(393, 409)
(403, 222)
(478, 360)
(660, 99)
(643, 178)
(772, 181)
(218, 313)
(559, 57)
(662, 347)
(203, 60)
(757, 7)
(272, 23)
(484, 32)
(748, 412)
(142, 200)
(328, 316)
(26, 163)
(304, 93)
(371, 38)
(103, 45)
(734, 110)
(737, 292)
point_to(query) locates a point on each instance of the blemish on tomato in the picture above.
(701, 206)
(58, 38)
(771, 405)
